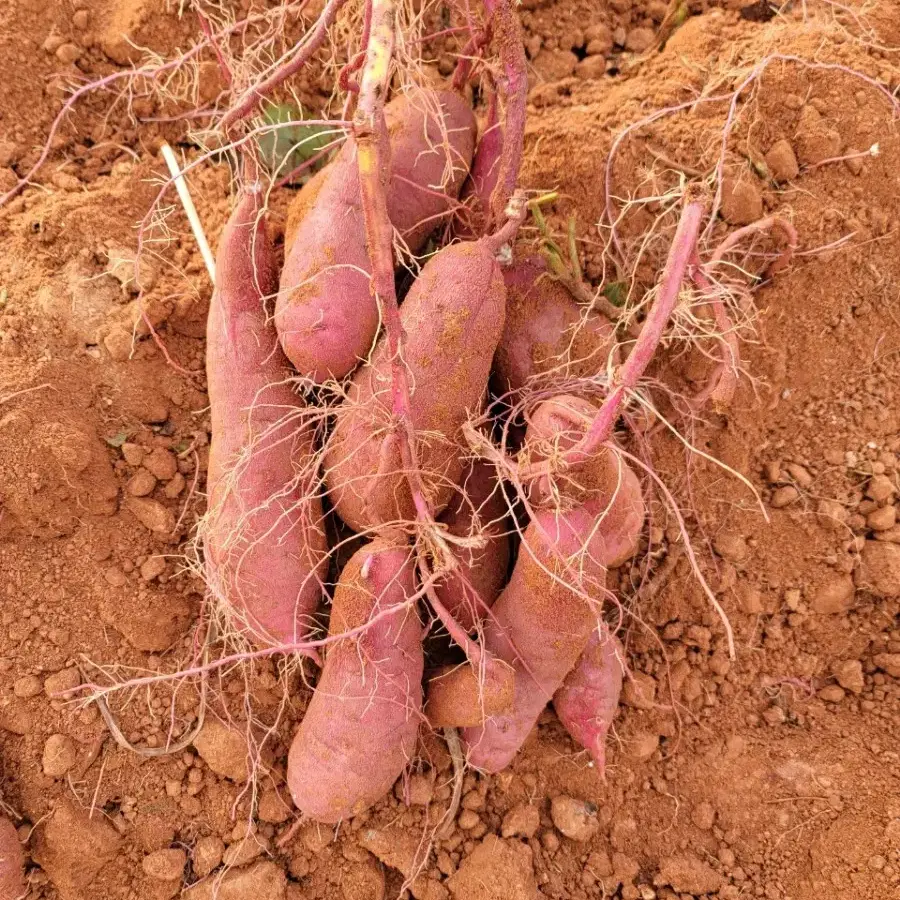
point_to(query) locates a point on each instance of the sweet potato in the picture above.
(264, 540)
(586, 703)
(453, 318)
(432, 141)
(473, 586)
(540, 626)
(543, 620)
(302, 203)
(326, 314)
(604, 481)
(478, 187)
(547, 332)
(361, 726)
(12, 863)
(459, 697)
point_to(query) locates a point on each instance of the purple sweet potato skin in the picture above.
(547, 333)
(326, 314)
(361, 726)
(478, 187)
(453, 318)
(543, 620)
(587, 702)
(540, 627)
(432, 141)
(12, 863)
(469, 590)
(605, 480)
(264, 540)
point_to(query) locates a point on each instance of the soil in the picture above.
(774, 774)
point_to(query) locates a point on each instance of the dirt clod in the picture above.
(576, 819)
(165, 865)
(849, 674)
(523, 820)
(741, 202)
(72, 848)
(363, 881)
(152, 514)
(782, 162)
(27, 686)
(263, 880)
(784, 496)
(57, 684)
(688, 874)
(880, 488)
(888, 662)
(834, 596)
(223, 749)
(495, 870)
(273, 807)
(879, 569)
(639, 691)
(207, 854)
(60, 755)
(640, 39)
(141, 484)
(832, 693)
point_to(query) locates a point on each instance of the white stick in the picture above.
(185, 196)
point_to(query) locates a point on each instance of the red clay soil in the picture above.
(772, 775)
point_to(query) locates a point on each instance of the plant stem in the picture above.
(627, 375)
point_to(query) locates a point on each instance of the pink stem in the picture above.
(464, 64)
(513, 89)
(355, 64)
(224, 68)
(626, 376)
(373, 153)
(258, 92)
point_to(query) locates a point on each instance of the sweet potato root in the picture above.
(473, 586)
(453, 318)
(540, 626)
(361, 726)
(460, 697)
(586, 703)
(543, 620)
(264, 540)
(12, 863)
(605, 481)
(432, 141)
(547, 332)
(326, 314)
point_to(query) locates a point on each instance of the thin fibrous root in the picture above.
(183, 742)
(723, 381)
(312, 41)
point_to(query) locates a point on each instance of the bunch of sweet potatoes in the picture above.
(305, 425)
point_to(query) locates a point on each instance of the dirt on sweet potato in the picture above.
(771, 775)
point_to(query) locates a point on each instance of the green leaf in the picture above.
(616, 292)
(286, 147)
